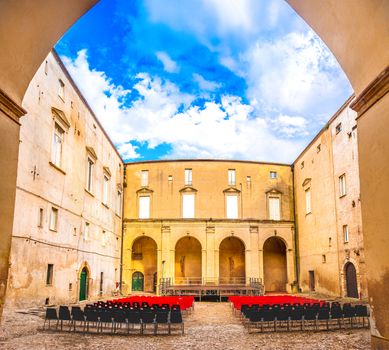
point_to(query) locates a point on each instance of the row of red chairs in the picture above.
(185, 302)
(238, 301)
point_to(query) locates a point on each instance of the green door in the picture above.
(137, 281)
(83, 284)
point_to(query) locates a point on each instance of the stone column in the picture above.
(10, 112)
(210, 253)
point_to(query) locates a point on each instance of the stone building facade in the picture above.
(208, 221)
(194, 221)
(66, 240)
(328, 210)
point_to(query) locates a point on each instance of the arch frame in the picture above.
(343, 276)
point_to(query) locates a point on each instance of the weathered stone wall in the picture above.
(42, 186)
(322, 247)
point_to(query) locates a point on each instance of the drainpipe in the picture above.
(296, 245)
(241, 200)
(121, 246)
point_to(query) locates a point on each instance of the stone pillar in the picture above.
(204, 265)
(10, 112)
(372, 106)
(290, 269)
(247, 264)
(166, 255)
(254, 241)
(210, 253)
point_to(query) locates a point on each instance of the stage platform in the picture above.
(254, 287)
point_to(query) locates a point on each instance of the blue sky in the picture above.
(227, 79)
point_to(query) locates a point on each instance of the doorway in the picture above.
(137, 281)
(351, 280)
(84, 284)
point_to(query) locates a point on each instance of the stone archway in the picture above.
(144, 261)
(351, 280)
(232, 264)
(359, 28)
(187, 261)
(274, 265)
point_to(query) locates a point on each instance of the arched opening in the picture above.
(138, 282)
(351, 280)
(274, 265)
(144, 262)
(188, 261)
(84, 279)
(232, 269)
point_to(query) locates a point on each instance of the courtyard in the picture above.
(208, 326)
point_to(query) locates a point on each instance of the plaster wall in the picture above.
(42, 186)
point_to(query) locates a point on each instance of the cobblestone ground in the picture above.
(209, 326)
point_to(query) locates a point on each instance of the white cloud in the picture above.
(169, 65)
(163, 114)
(204, 84)
(292, 74)
(128, 151)
(291, 126)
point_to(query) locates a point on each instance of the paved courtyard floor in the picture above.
(209, 326)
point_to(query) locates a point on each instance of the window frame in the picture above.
(346, 234)
(140, 213)
(188, 177)
(144, 178)
(49, 274)
(271, 172)
(192, 210)
(236, 209)
(231, 176)
(278, 198)
(61, 89)
(106, 183)
(56, 156)
(55, 227)
(90, 163)
(342, 185)
(308, 194)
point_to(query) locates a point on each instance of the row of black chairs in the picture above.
(304, 317)
(125, 320)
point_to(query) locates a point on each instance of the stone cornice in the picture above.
(377, 89)
(210, 221)
(10, 107)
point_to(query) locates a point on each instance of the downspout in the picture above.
(296, 245)
(121, 247)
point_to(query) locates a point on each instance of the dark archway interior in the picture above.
(274, 265)
(144, 257)
(188, 261)
(232, 269)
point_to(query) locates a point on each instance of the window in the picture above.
(188, 177)
(170, 179)
(53, 219)
(49, 275)
(144, 207)
(232, 207)
(188, 206)
(274, 208)
(323, 258)
(342, 185)
(61, 89)
(231, 177)
(308, 201)
(338, 128)
(101, 283)
(104, 239)
(89, 174)
(40, 218)
(345, 233)
(105, 190)
(119, 203)
(56, 152)
(144, 178)
(273, 174)
(248, 180)
(86, 231)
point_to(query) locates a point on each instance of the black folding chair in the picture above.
(310, 316)
(64, 315)
(133, 319)
(323, 316)
(119, 319)
(147, 318)
(106, 320)
(51, 315)
(77, 316)
(176, 319)
(91, 317)
(161, 318)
